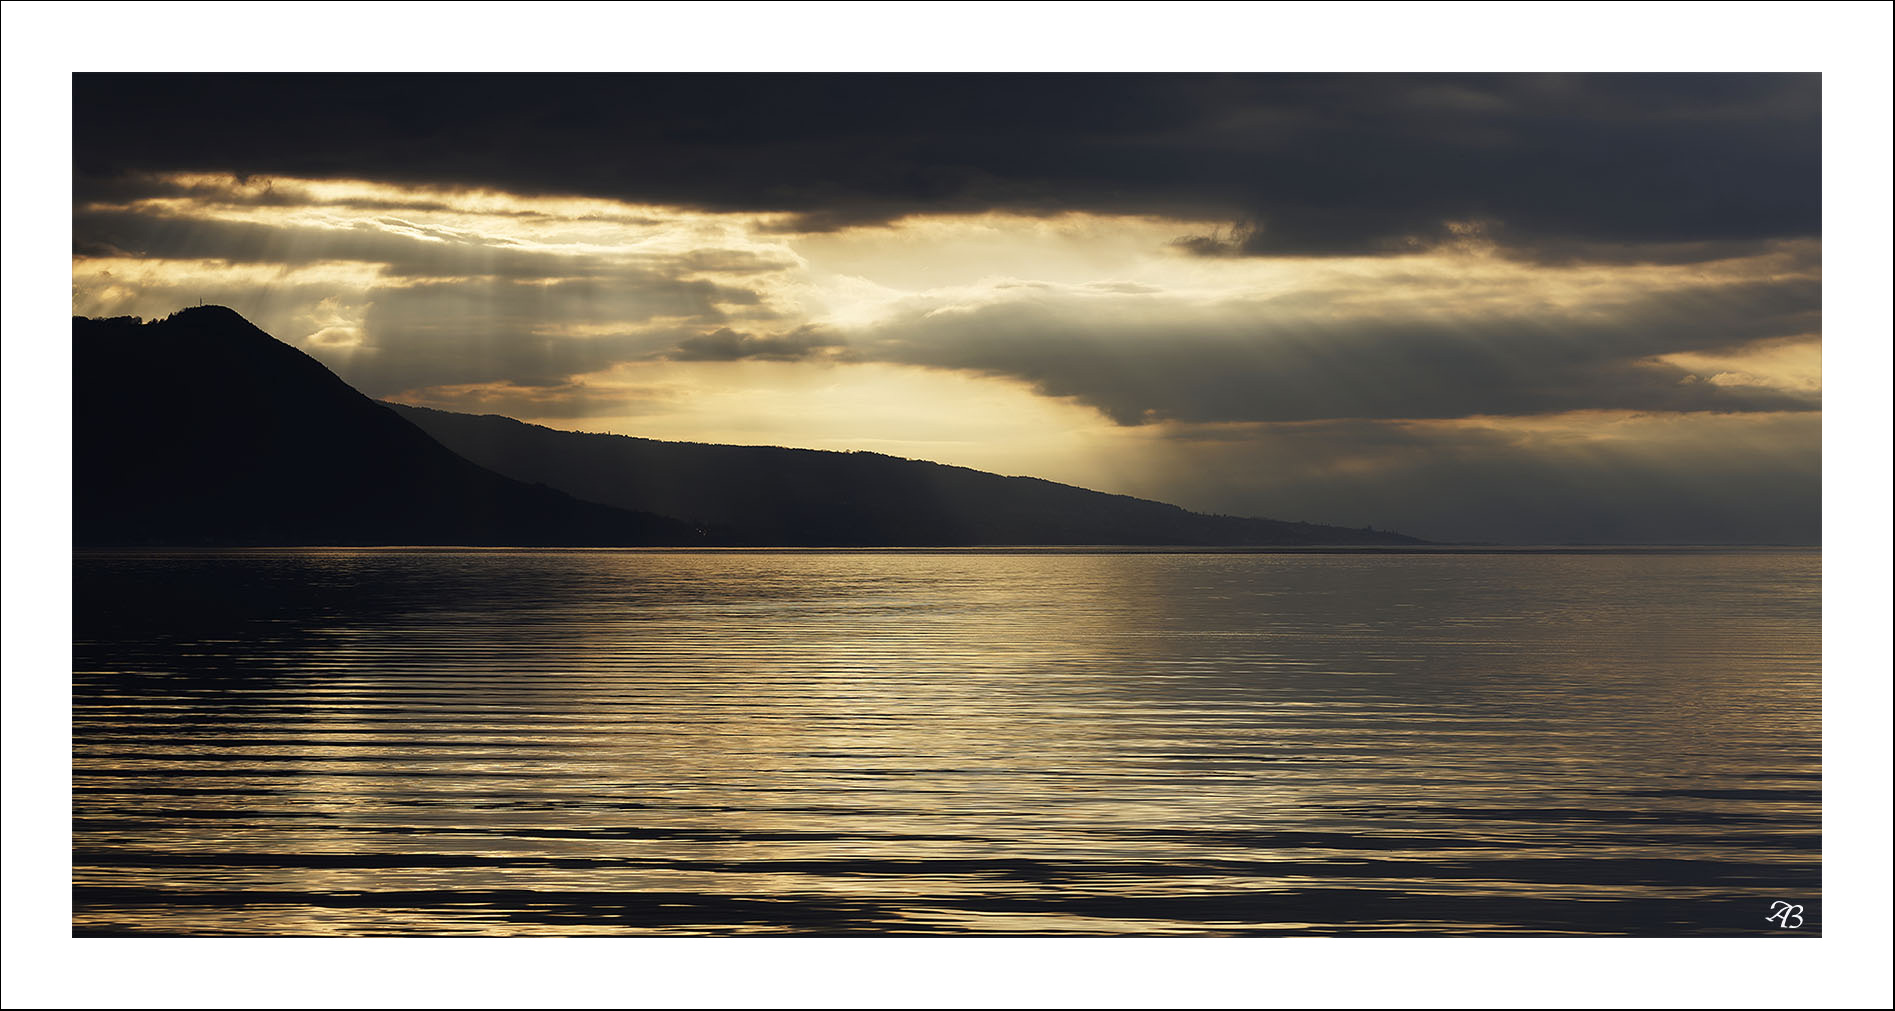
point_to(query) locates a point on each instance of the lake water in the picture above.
(332, 742)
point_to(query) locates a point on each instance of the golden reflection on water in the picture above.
(360, 742)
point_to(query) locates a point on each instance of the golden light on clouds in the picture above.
(1083, 347)
(106, 282)
(1791, 363)
(853, 276)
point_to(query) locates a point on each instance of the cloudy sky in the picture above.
(1515, 308)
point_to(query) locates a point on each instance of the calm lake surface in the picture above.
(968, 742)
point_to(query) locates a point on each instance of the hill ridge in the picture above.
(403, 408)
(671, 477)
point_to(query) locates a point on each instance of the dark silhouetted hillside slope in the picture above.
(202, 429)
(761, 495)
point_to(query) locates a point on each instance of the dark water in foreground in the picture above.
(609, 742)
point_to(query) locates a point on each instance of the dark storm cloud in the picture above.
(1307, 164)
(1289, 359)
(1248, 239)
(726, 345)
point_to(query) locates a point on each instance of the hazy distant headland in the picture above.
(768, 495)
(201, 429)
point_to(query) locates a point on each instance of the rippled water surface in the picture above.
(635, 743)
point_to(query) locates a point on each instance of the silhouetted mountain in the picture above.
(202, 429)
(762, 495)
